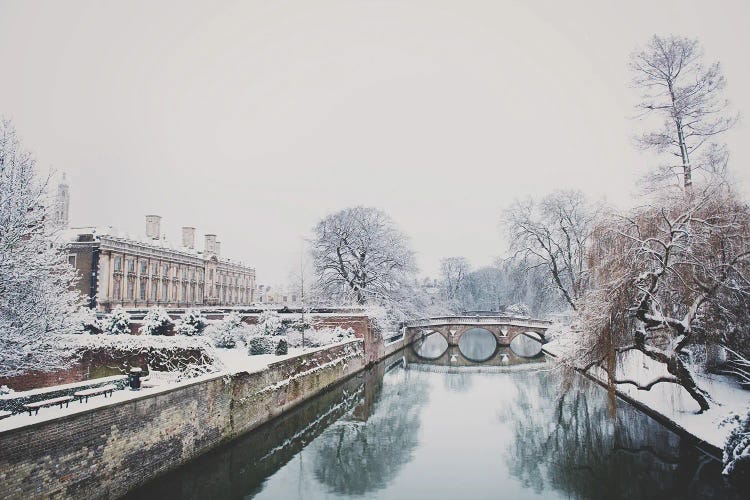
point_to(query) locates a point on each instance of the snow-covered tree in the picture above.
(226, 332)
(360, 255)
(193, 322)
(553, 234)
(737, 449)
(156, 322)
(117, 322)
(269, 323)
(453, 272)
(663, 276)
(687, 95)
(37, 300)
(89, 321)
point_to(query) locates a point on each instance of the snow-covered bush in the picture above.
(519, 310)
(89, 322)
(282, 347)
(269, 323)
(226, 332)
(737, 449)
(267, 344)
(156, 322)
(320, 337)
(261, 344)
(117, 322)
(191, 323)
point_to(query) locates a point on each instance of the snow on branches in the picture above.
(37, 301)
(117, 322)
(156, 322)
(192, 323)
(666, 276)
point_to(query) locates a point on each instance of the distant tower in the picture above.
(62, 203)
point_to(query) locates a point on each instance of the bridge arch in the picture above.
(504, 328)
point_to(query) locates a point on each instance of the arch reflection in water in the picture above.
(477, 345)
(527, 345)
(431, 347)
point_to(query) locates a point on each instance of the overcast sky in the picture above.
(253, 120)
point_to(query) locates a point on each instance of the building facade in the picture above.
(140, 273)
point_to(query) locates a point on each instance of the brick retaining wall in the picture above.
(104, 452)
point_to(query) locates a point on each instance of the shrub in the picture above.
(117, 322)
(226, 332)
(191, 323)
(89, 322)
(156, 322)
(282, 347)
(261, 344)
(269, 323)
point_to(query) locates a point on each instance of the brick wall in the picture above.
(106, 451)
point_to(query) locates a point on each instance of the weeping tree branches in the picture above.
(662, 277)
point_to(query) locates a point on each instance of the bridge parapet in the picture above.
(503, 328)
(479, 320)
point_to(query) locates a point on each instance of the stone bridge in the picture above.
(503, 328)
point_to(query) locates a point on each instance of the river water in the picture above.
(428, 425)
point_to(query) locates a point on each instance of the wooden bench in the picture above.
(49, 402)
(87, 393)
(5, 414)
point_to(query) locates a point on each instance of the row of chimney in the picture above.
(210, 246)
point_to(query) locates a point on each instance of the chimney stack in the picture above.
(188, 237)
(210, 244)
(218, 249)
(153, 226)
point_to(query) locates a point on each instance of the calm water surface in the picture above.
(445, 427)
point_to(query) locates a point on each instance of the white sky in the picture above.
(253, 120)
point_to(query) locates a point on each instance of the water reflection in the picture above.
(432, 346)
(415, 428)
(527, 345)
(477, 345)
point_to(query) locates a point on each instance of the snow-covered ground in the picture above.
(672, 401)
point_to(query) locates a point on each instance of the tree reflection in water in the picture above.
(359, 456)
(566, 440)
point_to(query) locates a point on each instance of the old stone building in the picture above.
(138, 273)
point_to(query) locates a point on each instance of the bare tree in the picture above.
(360, 255)
(36, 301)
(663, 274)
(453, 272)
(686, 94)
(554, 234)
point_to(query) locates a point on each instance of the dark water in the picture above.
(412, 427)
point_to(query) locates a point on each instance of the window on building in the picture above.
(144, 267)
(72, 260)
(184, 292)
(192, 294)
(154, 290)
(174, 293)
(165, 292)
(118, 263)
(131, 265)
(164, 270)
(142, 291)
(200, 293)
(155, 270)
(116, 289)
(210, 274)
(131, 289)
